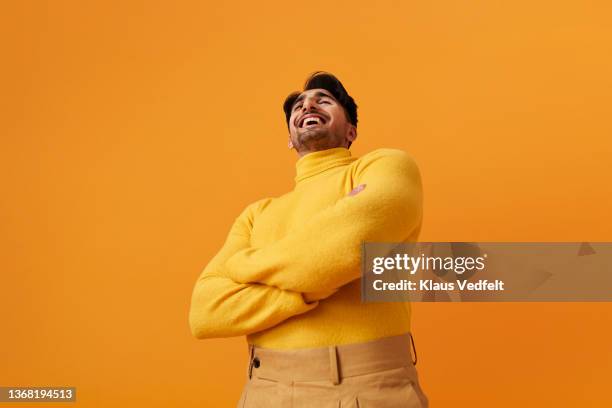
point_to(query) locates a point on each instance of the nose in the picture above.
(308, 104)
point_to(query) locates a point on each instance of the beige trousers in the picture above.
(376, 374)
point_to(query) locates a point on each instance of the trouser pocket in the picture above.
(395, 388)
(260, 393)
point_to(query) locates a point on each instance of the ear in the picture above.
(351, 133)
(289, 143)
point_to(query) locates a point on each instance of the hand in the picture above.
(357, 190)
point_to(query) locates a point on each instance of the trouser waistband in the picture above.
(332, 362)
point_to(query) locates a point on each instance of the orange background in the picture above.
(133, 133)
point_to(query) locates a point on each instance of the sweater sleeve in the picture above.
(325, 253)
(221, 307)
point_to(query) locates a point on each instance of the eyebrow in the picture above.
(302, 96)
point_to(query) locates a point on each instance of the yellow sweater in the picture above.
(288, 273)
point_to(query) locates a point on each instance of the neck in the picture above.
(313, 163)
(307, 150)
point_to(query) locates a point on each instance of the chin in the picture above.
(314, 135)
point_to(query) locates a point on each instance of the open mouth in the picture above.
(311, 121)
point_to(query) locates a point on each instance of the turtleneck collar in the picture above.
(318, 162)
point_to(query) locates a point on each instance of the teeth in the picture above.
(311, 120)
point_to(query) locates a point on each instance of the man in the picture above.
(288, 275)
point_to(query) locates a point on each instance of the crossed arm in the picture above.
(325, 253)
(245, 290)
(221, 307)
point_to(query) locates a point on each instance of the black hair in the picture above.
(327, 81)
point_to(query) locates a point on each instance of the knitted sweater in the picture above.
(288, 275)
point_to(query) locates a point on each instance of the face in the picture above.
(318, 122)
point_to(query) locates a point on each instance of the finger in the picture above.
(357, 190)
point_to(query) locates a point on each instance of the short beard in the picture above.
(314, 139)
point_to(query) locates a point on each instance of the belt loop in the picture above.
(413, 348)
(251, 354)
(333, 365)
